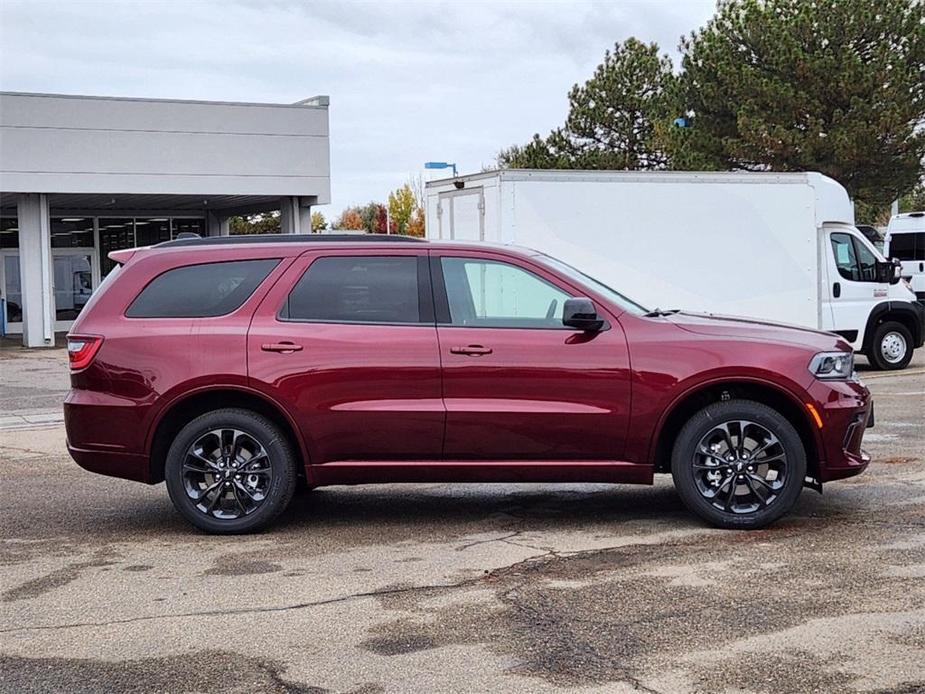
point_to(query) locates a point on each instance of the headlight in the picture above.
(832, 365)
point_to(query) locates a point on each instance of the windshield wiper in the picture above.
(656, 312)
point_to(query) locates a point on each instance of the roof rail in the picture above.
(244, 239)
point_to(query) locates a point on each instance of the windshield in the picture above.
(586, 280)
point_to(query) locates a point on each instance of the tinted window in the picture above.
(486, 293)
(198, 291)
(357, 289)
(907, 246)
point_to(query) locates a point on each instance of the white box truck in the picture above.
(774, 246)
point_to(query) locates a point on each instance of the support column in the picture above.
(289, 218)
(218, 224)
(305, 216)
(35, 271)
(213, 227)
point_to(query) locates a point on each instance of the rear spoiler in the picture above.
(123, 256)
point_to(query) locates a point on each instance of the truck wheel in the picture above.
(230, 471)
(738, 464)
(891, 346)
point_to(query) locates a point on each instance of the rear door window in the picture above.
(201, 291)
(361, 289)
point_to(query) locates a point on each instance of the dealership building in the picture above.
(81, 176)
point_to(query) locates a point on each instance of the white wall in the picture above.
(68, 144)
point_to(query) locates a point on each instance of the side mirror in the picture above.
(580, 313)
(889, 271)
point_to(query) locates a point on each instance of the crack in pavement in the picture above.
(463, 548)
(282, 608)
(487, 574)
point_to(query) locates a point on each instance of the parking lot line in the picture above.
(897, 374)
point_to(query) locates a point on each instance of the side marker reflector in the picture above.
(815, 414)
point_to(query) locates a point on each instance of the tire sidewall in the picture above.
(282, 462)
(700, 424)
(876, 357)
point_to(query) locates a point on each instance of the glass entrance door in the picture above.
(74, 276)
(11, 288)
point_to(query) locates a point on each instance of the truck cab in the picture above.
(864, 300)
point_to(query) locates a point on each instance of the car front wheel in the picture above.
(738, 464)
(230, 471)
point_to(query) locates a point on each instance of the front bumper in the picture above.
(920, 314)
(846, 411)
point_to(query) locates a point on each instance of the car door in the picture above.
(853, 286)
(346, 341)
(517, 383)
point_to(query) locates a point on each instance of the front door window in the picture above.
(853, 259)
(489, 294)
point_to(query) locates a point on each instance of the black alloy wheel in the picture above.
(739, 464)
(230, 471)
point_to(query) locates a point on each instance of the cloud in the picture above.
(409, 81)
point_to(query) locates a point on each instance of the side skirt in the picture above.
(376, 472)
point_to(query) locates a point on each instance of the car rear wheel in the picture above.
(891, 346)
(230, 471)
(738, 464)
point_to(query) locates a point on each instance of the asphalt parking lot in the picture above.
(465, 588)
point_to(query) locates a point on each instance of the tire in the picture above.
(890, 347)
(753, 504)
(249, 489)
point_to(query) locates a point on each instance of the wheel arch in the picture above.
(180, 411)
(901, 312)
(696, 398)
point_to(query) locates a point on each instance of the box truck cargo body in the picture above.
(779, 247)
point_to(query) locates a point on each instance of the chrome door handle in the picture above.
(281, 347)
(471, 350)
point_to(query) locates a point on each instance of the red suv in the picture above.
(234, 367)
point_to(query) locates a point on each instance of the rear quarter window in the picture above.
(200, 291)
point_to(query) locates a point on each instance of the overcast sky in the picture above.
(409, 82)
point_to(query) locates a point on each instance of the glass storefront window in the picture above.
(116, 233)
(9, 232)
(151, 231)
(179, 226)
(73, 269)
(72, 232)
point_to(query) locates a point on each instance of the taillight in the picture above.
(81, 349)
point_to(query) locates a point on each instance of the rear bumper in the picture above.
(105, 435)
(128, 466)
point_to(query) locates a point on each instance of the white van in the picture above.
(775, 246)
(905, 240)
